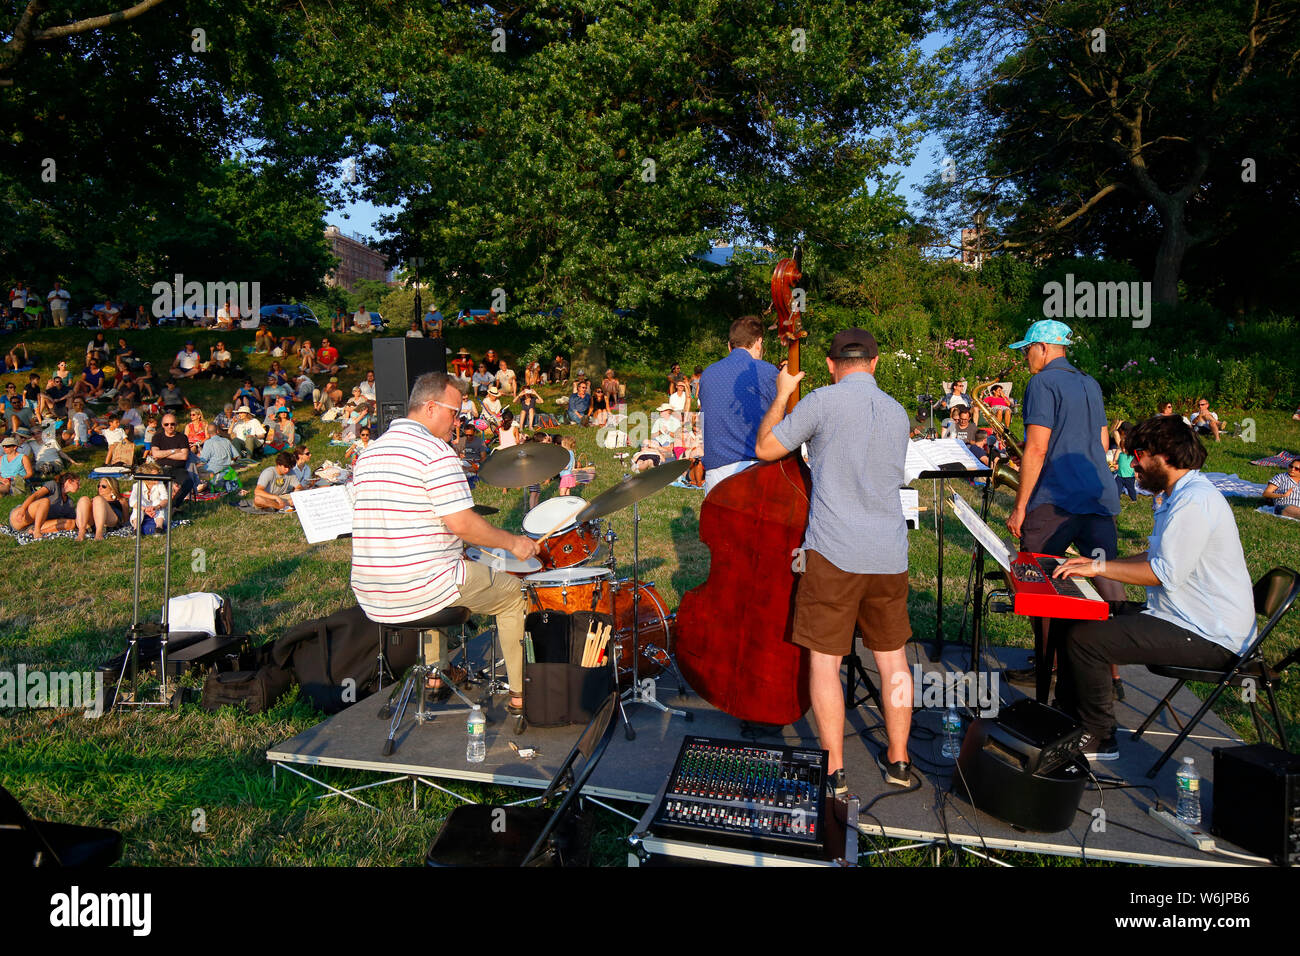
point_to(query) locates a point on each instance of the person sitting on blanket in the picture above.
(103, 512)
(49, 508)
(1204, 421)
(282, 432)
(216, 455)
(302, 465)
(328, 401)
(148, 500)
(13, 465)
(247, 434)
(358, 446)
(275, 484)
(1283, 491)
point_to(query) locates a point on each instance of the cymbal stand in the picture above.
(638, 694)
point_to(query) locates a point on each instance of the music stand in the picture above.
(963, 465)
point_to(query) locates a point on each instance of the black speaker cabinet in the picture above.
(1257, 801)
(398, 363)
(994, 774)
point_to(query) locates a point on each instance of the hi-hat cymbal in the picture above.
(522, 465)
(634, 488)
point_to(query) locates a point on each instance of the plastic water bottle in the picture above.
(951, 733)
(1189, 793)
(476, 736)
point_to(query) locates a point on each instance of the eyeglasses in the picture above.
(169, 424)
(454, 408)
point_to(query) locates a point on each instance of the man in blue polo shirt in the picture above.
(1066, 495)
(734, 394)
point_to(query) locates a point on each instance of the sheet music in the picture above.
(986, 536)
(325, 513)
(911, 501)
(930, 454)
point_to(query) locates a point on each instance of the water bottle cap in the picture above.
(477, 707)
(1188, 760)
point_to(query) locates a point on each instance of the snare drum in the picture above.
(573, 544)
(499, 559)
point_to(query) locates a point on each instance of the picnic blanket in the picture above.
(248, 508)
(1280, 460)
(1268, 510)
(126, 531)
(1229, 485)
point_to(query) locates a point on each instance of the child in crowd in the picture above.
(1124, 475)
(568, 480)
(148, 500)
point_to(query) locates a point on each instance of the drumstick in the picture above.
(563, 522)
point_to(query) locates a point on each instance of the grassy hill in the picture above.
(65, 605)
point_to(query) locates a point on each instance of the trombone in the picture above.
(1004, 474)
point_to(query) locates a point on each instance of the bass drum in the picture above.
(591, 589)
(655, 635)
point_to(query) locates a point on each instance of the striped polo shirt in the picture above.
(406, 564)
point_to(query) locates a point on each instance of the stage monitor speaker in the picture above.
(398, 363)
(1257, 801)
(996, 764)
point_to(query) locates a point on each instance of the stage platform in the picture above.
(433, 754)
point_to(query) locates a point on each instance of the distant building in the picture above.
(972, 247)
(357, 260)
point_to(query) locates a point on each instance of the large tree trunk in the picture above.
(1169, 256)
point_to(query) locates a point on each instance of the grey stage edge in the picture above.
(636, 770)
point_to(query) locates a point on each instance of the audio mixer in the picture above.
(744, 794)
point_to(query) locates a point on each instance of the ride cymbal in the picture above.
(633, 489)
(522, 465)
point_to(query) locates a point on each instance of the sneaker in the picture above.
(898, 773)
(837, 784)
(1095, 748)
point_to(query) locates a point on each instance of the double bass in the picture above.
(733, 631)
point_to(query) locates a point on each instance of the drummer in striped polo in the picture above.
(413, 514)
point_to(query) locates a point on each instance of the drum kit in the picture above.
(575, 568)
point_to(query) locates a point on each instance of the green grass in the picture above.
(67, 606)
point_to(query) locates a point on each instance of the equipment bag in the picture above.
(255, 690)
(558, 690)
(334, 658)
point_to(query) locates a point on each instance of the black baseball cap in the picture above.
(854, 343)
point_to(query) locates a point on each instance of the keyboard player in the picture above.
(1066, 494)
(1200, 609)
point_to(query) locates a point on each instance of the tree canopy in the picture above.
(579, 154)
(1093, 126)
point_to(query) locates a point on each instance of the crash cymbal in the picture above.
(633, 489)
(522, 465)
(484, 510)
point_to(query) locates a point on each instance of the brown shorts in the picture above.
(830, 602)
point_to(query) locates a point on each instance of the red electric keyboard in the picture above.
(1034, 591)
(1037, 594)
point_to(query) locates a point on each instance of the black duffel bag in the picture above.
(257, 691)
(335, 657)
